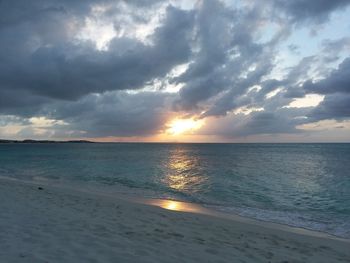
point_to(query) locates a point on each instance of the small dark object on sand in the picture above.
(40, 188)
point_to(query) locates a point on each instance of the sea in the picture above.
(301, 185)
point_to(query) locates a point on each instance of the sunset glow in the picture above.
(96, 71)
(175, 130)
(182, 126)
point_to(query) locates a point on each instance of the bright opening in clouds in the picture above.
(181, 126)
(97, 32)
(310, 100)
(224, 70)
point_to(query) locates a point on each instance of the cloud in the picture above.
(227, 50)
(312, 10)
(235, 126)
(114, 114)
(337, 81)
(68, 71)
(334, 106)
(104, 68)
(336, 87)
(20, 103)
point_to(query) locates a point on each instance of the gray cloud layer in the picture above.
(317, 10)
(63, 70)
(46, 71)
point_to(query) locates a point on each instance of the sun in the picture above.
(181, 126)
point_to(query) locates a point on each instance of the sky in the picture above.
(175, 71)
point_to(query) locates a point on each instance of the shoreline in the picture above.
(197, 208)
(183, 206)
(53, 224)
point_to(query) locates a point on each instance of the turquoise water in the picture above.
(304, 185)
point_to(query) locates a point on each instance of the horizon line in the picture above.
(160, 142)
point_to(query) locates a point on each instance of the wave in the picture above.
(336, 227)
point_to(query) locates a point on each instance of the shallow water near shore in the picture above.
(302, 185)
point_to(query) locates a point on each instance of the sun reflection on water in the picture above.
(176, 205)
(184, 172)
(171, 205)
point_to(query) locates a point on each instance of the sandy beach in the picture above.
(53, 224)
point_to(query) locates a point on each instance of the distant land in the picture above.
(43, 141)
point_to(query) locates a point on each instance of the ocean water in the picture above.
(303, 185)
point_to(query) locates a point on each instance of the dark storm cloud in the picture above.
(281, 121)
(337, 81)
(336, 87)
(240, 93)
(334, 106)
(227, 49)
(41, 64)
(20, 103)
(44, 73)
(67, 71)
(217, 69)
(46, 70)
(265, 123)
(204, 78)
(15, 12)
(113, 114)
